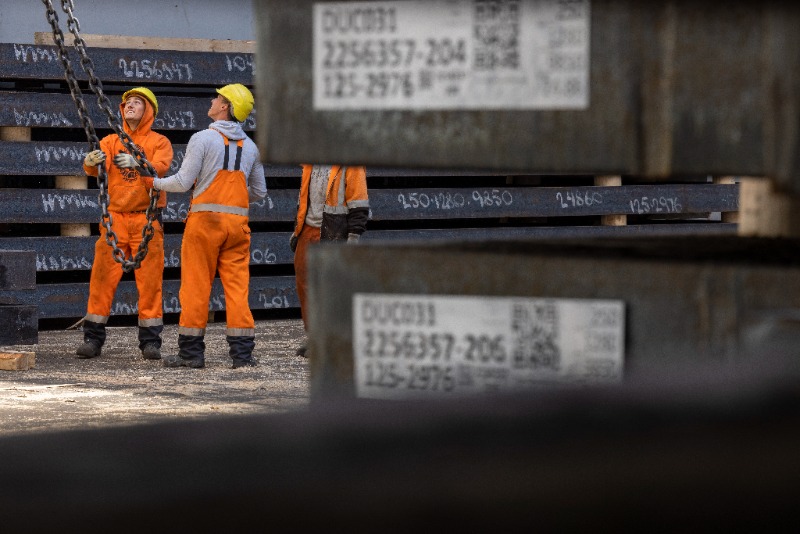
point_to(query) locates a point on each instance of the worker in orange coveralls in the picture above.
(129, 198)
(223, 165)
(333, 206)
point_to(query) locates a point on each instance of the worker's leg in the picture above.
(308, 236)
(104, 279)
(234, 273)
(202, 238)
(149, 280)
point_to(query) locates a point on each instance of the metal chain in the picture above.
(102, 100)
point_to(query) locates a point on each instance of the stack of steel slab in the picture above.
(20, 321)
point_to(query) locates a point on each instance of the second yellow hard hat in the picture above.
(240, 98)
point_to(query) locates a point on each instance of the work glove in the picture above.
(94, 158)
(126, 161)
(293, 243)
(353, 238)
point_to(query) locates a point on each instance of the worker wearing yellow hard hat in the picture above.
(223, 168)
(240, 99)
(129, 198)
(144, 92)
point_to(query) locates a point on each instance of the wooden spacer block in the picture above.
(611, 181)
(17, 361)
(765, 212)
(75, 230)
(608, 181)
(74, 182)
(15, 133)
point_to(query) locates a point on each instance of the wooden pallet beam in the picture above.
(157, 43)
(766, 212)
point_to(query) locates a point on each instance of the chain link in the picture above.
(128, 264)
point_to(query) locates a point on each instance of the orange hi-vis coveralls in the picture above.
(223, 165)
(345, 211)
(129, 198)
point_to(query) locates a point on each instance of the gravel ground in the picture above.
(121, 388)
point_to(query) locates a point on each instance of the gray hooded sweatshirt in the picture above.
(205, 155)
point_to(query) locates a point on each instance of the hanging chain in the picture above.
(102, 100)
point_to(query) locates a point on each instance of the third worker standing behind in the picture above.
(333, 206)
(223, 165)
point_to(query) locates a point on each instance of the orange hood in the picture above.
(145, 125)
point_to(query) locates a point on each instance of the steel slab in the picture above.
(69, 300)
(19, 324)
(687, 298)
(511, 464)
(57, 110)
(150, 67)
(17, 269)
(66, 158)
(81, 205)
(62, 254)
(676, 88)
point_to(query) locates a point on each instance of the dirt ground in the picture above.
(121, 388)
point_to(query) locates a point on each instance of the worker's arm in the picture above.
(257, 183)
(192, 164)
(357, 200)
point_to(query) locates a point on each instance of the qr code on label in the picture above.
(496, 32)
(535, 336)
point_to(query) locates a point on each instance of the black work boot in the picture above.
(191, 353)
(302, 348)
(241, 351)
(94, 336)
(150, 341)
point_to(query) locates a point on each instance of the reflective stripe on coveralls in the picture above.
(218, 240)
(340, 208)
(219, 208)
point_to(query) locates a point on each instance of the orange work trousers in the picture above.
(106, 273)
(308, 236)
(215, 243)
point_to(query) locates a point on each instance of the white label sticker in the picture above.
(451, 54)
(419, 346)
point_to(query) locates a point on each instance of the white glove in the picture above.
(125, 161)
(94, 158)
(353, 238)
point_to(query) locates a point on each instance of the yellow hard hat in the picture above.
(144, 92)
(240, 98)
